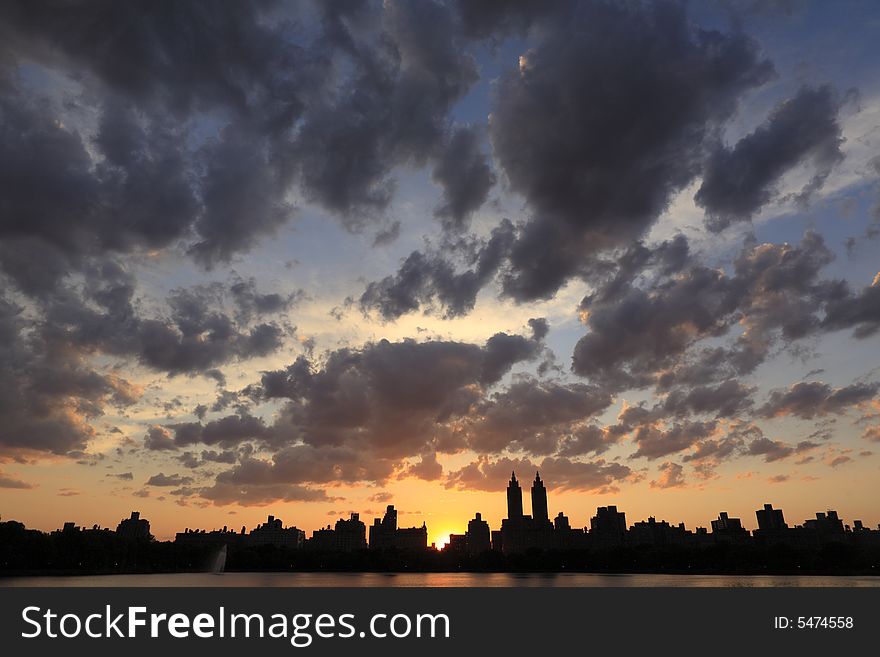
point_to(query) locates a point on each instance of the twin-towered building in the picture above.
(520, 532)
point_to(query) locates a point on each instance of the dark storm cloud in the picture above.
(598, 174)
(424, 279)
(808, 400)
(210, 115)
(739, 181)
(586, 439)
(392, 111)
(490, 18)
(251, 302)
(393, 398)
(150, 70)
(243, 196)
(776, 450)
(195, 337)
(177, 56)
(534, 416)
(654, 443)
(159, 438)
(771, 450)
(727, 399)
(644, 335)
(49, 393)
(859, 311)
(566, 474)
(465, 176)
(227, 431)
(502, 350)
(296, 467)
(359, 415)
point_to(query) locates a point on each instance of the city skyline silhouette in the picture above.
(518, 531)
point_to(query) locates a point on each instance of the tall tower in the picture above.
(539, 500)
(514, 499)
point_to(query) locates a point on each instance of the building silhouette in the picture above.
(346, 536)
(608, 526)
(727, 529)
(134, 527)
(770, 519)
(478, 536)
(522, 533)
(201, 538)
(566, 537)
(385, 534)
(652, 532)
(827, 524)
(273, 532)
(539, 500)
(514, 499)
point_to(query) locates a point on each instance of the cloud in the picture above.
(195, 337)
(534, 416)
(859, 311)
(485, 19)
(390, 399)
(124, 476)
(150, 85)
(465, 177)
(221, 494)
(775, 450)
(643, 335)
(808, 400)
(424, 279)
(739, 181)
(162, 479)
(563, 474)
(771, 450)
(426, 468)
(671, 476)
(250, 302)
(392, 110)
(727, 399)
(159, 438)
(227, 431)
(597, 174)
(49, 392)
(654, 443)
(8, 481)
(201, 143)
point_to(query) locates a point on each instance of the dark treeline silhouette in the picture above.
(524, 543)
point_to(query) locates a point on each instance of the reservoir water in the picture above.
(427, 580)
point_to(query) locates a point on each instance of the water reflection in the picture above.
(427, 580)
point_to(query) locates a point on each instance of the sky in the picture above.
(308, 259)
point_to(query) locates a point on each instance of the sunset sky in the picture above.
(318, 257)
